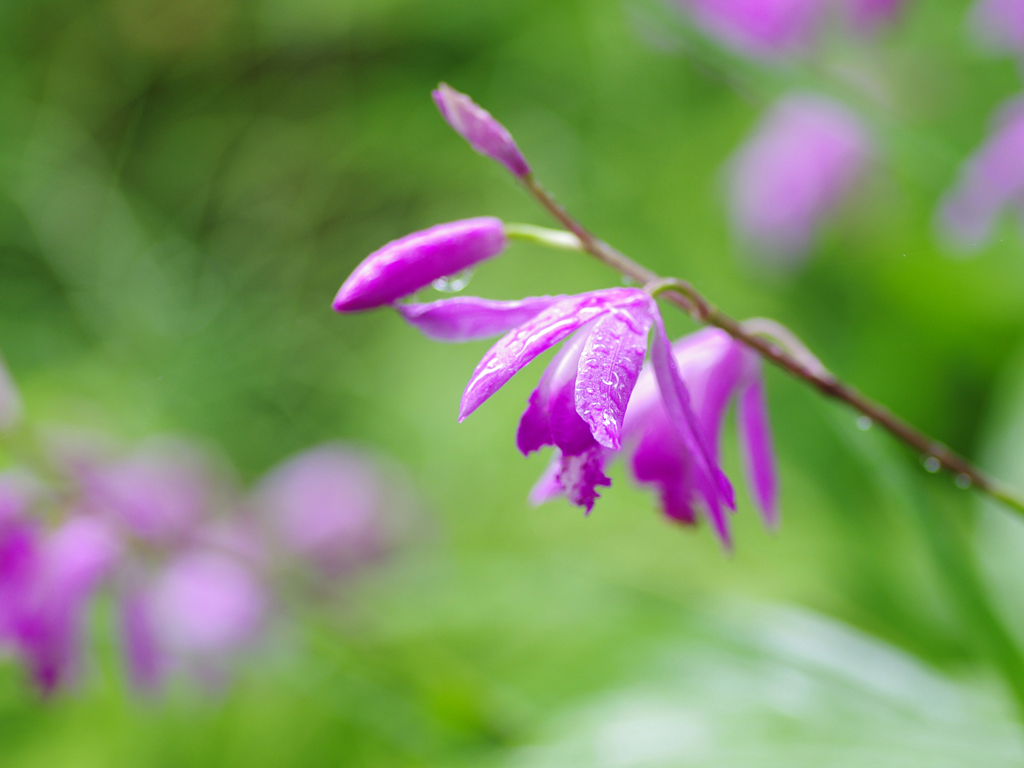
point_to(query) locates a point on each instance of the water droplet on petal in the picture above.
(962, 481)
(453, 283)
(931, 464)
(864, 423)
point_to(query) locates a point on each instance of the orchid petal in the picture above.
(536, 427)
(661, 458)
(756, 446)
(580, 475)
(547, 488)
(468, 318)
(521, 345)
(608, 370)
(712, 482)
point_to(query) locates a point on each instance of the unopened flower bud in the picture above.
(404, 266)
(476, 125)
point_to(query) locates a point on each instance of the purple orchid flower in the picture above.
(581, 399)
(793, 171)
(201, 607)
(990, 180)
(69, 566)
(760, 28)
(405, 265)
(716, 369)
(475, 124)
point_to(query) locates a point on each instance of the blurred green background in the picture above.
(183, 187)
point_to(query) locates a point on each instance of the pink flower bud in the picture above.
(404, 266)
(475, 124)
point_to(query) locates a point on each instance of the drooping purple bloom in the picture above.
(71, 564)
(716, 370)
(476, 125)
(326, 506)
(990, 180)
(581, 399)
(405, 265)
(795, 169)
(999, 25)
(763, 28)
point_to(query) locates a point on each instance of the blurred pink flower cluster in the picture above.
(782, 28)
(194, 566)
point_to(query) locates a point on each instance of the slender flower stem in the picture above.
(776, 344)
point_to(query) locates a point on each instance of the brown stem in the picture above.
(685, 296)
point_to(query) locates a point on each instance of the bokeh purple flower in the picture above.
(475, 124)
(999, 25)
(159, 493)
(762, 28)
(801, 161)
(326, 507)
(990, 180)
(405, 265)
(67, 568)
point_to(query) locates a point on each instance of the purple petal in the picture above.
(989, 180)
(467, 318)
(75, 558)
(756, 445)
(711, 363)
(547, 487)
(534, 430)
(711, 481)
(521, 345)
(608, 370)
(475, 124)
(661, 458)
(404, 266)
(580, 475)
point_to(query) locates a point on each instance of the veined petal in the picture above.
(468, 318)
(521, 345)
(712, 482)
(539, 426)
(756, 447)
(608, 370)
